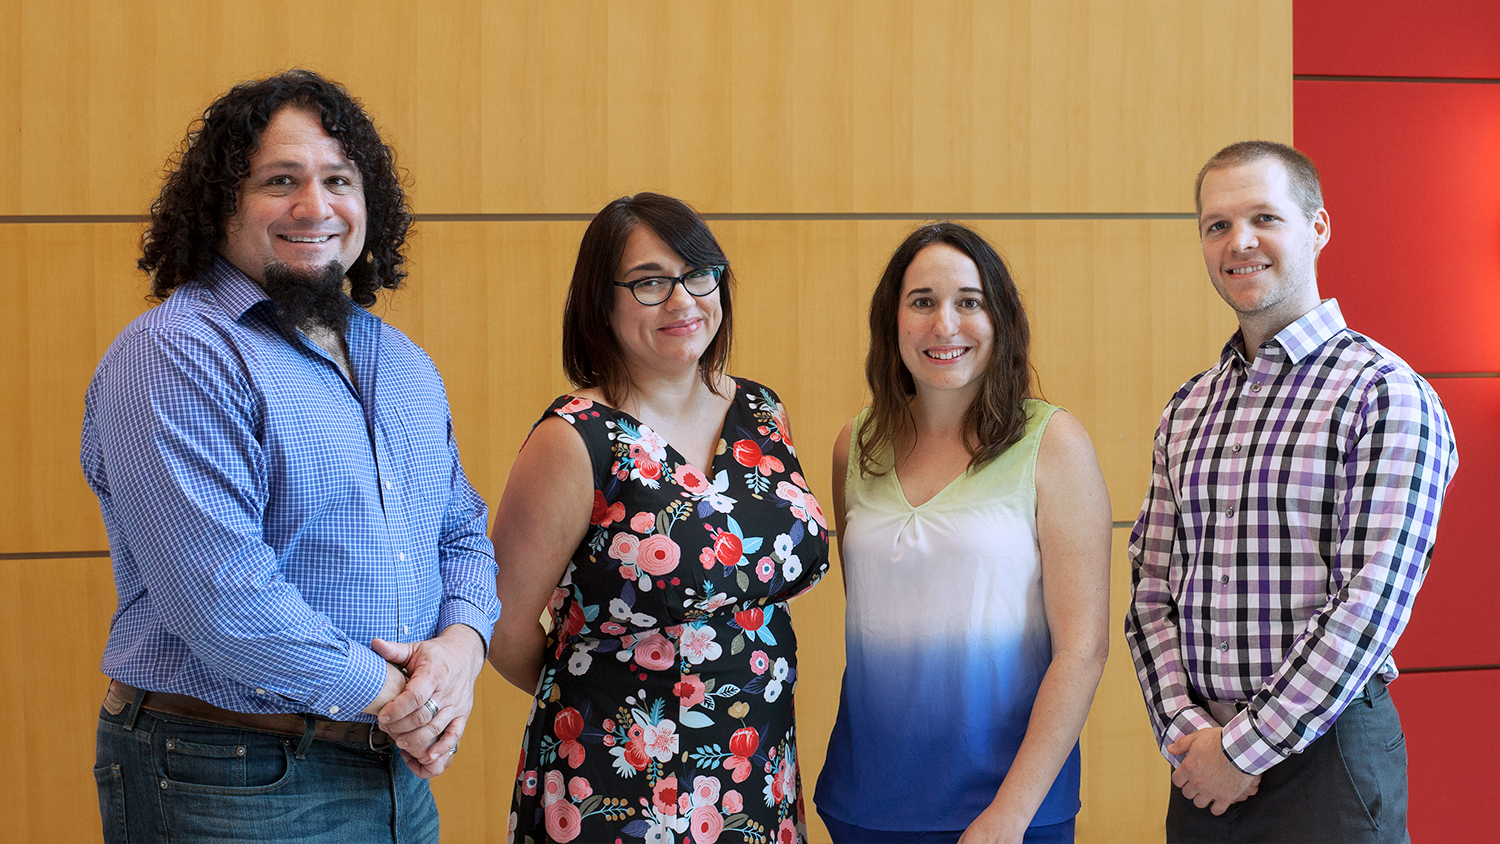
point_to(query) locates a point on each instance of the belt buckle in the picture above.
(386, 742)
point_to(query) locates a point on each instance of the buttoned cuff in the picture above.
(459, 611)
(1185, 723)
(356, 688)
(1247, 749)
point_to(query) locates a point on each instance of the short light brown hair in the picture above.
(1307, 189)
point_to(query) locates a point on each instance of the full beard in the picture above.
(308, 298)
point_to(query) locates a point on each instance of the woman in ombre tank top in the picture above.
(974, 534)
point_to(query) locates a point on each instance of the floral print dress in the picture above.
(664, 709)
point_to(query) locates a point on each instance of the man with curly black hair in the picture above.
(306, 588)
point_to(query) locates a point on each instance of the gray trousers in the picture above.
(1349, 785)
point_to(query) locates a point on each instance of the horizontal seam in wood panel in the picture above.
(725, 216)
(1450, 668)
(1118, 525)
(1431, 375)
(1457, 80)
(54, 555)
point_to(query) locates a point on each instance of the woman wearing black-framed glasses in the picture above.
(659, 516)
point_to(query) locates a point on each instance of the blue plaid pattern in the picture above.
(1289, 523)
(266, 519)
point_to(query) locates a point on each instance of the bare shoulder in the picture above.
(841, 443)
(1066, 463)
(1065, 441)
(554, 448)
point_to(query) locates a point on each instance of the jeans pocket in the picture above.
(111, 784)
(252, 764)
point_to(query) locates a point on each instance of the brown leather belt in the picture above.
(351, 733)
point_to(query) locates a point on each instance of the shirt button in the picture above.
(260, 691)
(401, 556)
(1223, 578)
(1229, 512)
(387, 484)
(333, 710)
(405, 630)
(1255, 388)
(1236, 447)
(1223, 646)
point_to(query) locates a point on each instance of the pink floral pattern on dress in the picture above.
(664, 711)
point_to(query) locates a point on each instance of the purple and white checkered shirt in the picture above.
(1289, 523)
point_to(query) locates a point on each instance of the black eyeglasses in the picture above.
(659, 288)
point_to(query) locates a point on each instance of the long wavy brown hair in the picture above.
(202, 184)
(996, 418)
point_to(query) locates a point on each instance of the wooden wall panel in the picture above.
(72, 288)
(60, 629)
(1126, 781)
(517, 107)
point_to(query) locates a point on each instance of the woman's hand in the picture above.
(995, 826)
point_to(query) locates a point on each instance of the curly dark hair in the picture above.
(188, 217)
(997, 416)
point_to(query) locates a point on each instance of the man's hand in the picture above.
(1206, 776)
(442, 670)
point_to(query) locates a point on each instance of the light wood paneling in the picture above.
(518, 107)
(1125, 781)
(58, 632)
(72, 288)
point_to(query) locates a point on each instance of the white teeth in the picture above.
(1249, 270)
(322, 239)
(946, 355)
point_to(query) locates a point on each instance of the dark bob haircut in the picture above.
(199, 197)
(997, 416)
(591, 354)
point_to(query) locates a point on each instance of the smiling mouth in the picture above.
(683, 327)
(1248, 270)
(951, 354)
(293, 239)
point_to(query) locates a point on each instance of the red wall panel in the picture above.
(1453, 622)
(1452, 745)
(1452, 38)
(1411, 179)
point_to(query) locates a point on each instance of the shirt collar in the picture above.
(1302, 337)
(235, 292)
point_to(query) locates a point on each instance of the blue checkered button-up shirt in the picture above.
(266, 517)
(1289, 523)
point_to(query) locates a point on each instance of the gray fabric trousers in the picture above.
(1349, 785)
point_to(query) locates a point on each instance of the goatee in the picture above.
(308, 298)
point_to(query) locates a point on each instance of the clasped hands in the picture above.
(1206, 776)
(442, 670)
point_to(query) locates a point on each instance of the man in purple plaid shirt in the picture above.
(1295, 493)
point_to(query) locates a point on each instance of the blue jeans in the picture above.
(163, 777)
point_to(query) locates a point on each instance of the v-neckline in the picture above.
(723, 426)
(901, 490)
